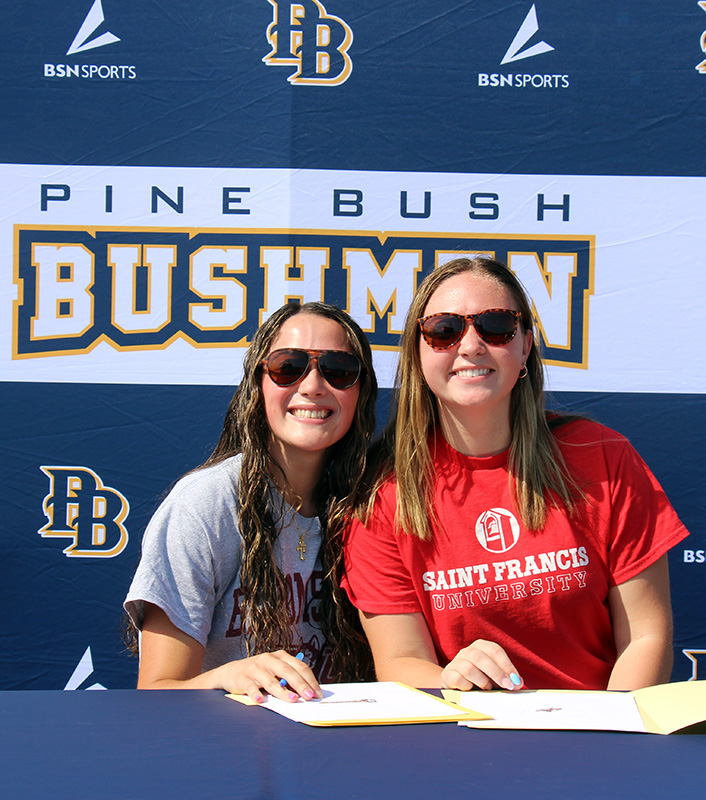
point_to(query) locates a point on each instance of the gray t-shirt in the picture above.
(190, 567)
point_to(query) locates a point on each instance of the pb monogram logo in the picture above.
(79, 507)
(304, 36)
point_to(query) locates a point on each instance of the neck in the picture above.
(303, 473)
(476, 432)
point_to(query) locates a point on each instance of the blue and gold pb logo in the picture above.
(303, 35)
(79, 507)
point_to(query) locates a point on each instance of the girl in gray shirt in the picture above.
(241, 564)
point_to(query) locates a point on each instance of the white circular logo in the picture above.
(497, 530)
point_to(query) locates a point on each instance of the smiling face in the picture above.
(310, 416)
(472, 380)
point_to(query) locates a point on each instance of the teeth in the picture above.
(472, 373)
(310, 413)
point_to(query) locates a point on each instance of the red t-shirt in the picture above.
(543, 596)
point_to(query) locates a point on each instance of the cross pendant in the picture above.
(301, 547)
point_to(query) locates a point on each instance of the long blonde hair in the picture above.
(536, 467)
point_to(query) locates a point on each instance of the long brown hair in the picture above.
(245, 430)
(536, 466)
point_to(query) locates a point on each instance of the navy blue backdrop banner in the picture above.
(172, 173)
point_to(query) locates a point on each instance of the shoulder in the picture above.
(378, 516)
(578, 432)
(202, 502)
(207, 487)
(596, 452)
(385, 501)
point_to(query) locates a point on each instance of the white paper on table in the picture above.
(382, 703)
(553, 710)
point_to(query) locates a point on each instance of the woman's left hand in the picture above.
(484, 665)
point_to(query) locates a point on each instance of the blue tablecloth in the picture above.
(200, 744)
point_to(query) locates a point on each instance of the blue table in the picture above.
(142, 745)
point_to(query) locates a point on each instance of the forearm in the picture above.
(213, 679)
(171, 659)
(646, 661)
(402, 649)
(642, 625)
(412, 671)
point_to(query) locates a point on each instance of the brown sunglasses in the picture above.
(496, 326)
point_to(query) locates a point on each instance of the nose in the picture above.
(470, 341)
(312, 383)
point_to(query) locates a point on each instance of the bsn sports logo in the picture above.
(85, 40)
(82, 41)
(694, 556)
(83, 671)
(79, 507)
(527, 30)
(702, 66)
(520, 49)
(305, 36)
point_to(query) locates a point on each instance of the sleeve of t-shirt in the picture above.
(377, 579)
(644, 524)
(178, 570)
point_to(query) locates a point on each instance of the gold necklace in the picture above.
(302, 546)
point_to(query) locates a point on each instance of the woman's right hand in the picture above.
(171, 659)
(253, 675)
(484, 665)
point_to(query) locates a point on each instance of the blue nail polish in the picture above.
(515, 678)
